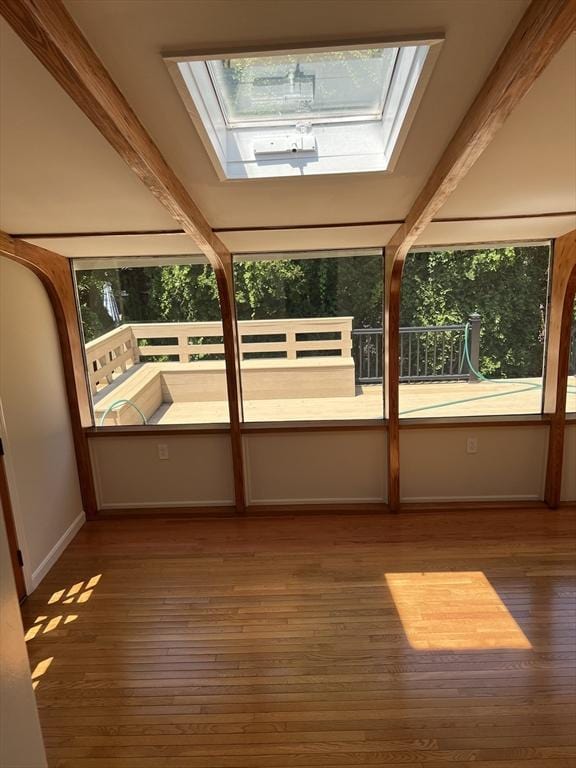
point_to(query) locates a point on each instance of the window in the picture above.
(310, 327)
(303, 86)
(301, 112)
(473, 326)
(153, 340)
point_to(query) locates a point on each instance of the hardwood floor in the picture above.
(423, 639)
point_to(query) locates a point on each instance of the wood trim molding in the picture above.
(476, 422)
(284, 427)
(293, 510)
(291, 227)
(563, 291)
(543, 29)
(157, 430)
(53, 37)
(54, 271)
(471, 506)
(168, 512)
(252, 510)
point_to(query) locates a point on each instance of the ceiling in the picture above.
(59, 175)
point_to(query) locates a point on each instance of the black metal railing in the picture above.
(427, 353)
(367, 354)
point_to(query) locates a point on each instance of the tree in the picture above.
(95, 319)
(506, 286)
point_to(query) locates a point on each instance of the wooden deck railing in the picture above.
(431, 353)
(114, 352)
(110, 355)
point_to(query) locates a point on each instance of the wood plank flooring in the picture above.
(427, 640)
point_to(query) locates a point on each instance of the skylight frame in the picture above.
(342, 145)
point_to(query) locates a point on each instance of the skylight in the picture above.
(305, 112)
(304, 86)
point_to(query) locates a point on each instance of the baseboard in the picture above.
(56, 551)
(315, 508)
(251, 510)
(477, 500)
(111, 513)
(139, 506)
(279, 510)
(471, 506)
(317, 502)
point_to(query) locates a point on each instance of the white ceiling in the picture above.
(59, 175)
(530, 166)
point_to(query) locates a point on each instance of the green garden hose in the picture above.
(121, 402)
(527, 386)
(481, 375)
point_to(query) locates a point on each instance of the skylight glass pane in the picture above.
(304, 86)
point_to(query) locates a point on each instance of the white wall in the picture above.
(569, 470)
(35, 423)
(510, 464)
(315, 467)
(129, 473)
(21, 744)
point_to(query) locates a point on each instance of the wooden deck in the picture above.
(421, 640)
(127, 385)
(424, 400)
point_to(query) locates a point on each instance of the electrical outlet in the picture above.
(472, 445)
(163, 451)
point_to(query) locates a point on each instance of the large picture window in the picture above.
(310, 327)
(473, 331)
(153, 340)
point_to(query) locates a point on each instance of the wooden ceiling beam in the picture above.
(542, 31)
(51, 34)
(544, 28)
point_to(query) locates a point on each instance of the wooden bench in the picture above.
(149, 385)
(298, 358)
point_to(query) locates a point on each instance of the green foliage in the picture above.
(183, 293)
(326, 287)
(95, 320)
(506, 286)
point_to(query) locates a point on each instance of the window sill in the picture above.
(147, 430)
(533, 420)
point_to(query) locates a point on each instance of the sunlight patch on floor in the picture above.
(453, 611)
(40, 669)
(79, 593)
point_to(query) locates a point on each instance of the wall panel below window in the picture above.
(129, 472)
(509, 464)
(316, 467)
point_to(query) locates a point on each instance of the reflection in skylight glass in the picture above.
(304, 86)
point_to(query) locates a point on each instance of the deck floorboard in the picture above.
(422, 400)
